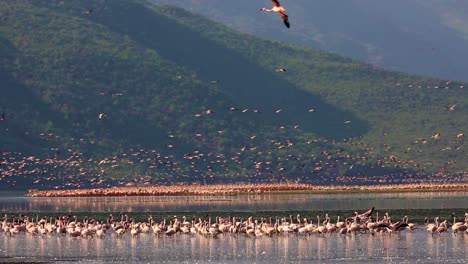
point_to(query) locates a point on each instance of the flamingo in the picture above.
(331, 228)
(100, 231)
(458, 226)
(270, 229)
(135, 229)
(442, 227)
(371, 225)
(224, 226)
(340, 224)
(321, 229)
(354, 227)
(120, 231)
(452, 107)
(394, 228)
(364, 216)
(411, 226)
(432, 227)
(305, 229)
(344, 230)
(277, 8)
(88, 11)
(257, 231)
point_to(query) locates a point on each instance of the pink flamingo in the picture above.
(277, 8)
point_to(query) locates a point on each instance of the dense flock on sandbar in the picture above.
(238, 189)
(213, 226)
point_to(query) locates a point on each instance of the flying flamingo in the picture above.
(277, 8)
(88, 11)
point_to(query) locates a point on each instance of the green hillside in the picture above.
(186, 99)
(419, 36)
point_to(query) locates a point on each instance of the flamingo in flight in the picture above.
(277, 8)
(88, 11)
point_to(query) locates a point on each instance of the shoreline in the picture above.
(242, 189)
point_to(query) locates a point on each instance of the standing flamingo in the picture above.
(458, 226)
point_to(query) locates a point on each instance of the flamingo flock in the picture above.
(257, 159)
(261, 159)
(359, 224)
(237, 189)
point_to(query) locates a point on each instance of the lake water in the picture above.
(417, 247)
(264, 202)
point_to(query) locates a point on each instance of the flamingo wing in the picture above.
(368, 212)
(381, 225)
(284, 16)
(400, 226)
(275, 3)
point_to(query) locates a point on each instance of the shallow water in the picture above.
(417, 247)
(264, 202)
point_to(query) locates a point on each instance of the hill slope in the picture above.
(418, 36)
(186, 99)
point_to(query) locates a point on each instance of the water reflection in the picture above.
(410, 247)
(265, 202)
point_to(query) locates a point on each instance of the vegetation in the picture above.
(423, 37)
(173, 86)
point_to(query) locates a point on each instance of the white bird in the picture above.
(452, 107)
(88, 11)
(458, 226)
(280, 69)
(277, 8)
(101, 116)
